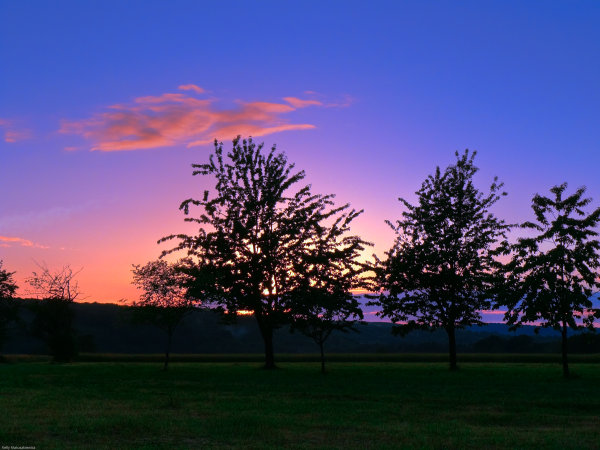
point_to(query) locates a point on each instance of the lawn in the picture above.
(355, 405)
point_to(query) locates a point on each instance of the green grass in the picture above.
(356, 405)
(311, 357)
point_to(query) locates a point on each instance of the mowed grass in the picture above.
(355, 405)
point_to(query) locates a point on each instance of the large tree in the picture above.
(441, 268)
(553, 272)
(256, 234)
(8, 306)
(163, 301)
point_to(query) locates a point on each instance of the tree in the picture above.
(163, 301)
(256, 235)
(321, 313)
(54, 317)
(552, 274)
(441, 269)
(324, 300)
(8, 306)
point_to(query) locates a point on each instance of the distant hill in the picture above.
(106, 328)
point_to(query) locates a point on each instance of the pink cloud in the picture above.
(231, 131)
(182, 119)
(191, 87)
(9, 241)
(298, 103)
(13, 134)
(495, 312)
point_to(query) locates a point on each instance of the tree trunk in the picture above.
(452, 346)
(565, 362)
(322, 358)
(168, 349)
(267, 335)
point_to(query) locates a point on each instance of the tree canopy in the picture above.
(441, 268)
(8, 287)
(258, 234)
(8, 307)
(552, 274)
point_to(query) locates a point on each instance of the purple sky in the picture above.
(105, 104)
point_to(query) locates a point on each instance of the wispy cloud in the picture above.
(298, 103)
(192, 87)
(12, 133)
(10, 241)
(317, 98)
(493, 312)
(183, 119)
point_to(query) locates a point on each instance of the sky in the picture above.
(104, 105)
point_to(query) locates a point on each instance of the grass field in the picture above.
(355, 405)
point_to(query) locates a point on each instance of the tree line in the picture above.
(267, 245)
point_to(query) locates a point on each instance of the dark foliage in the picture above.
(53, 322)
(106, 328)
(8, 306)
(441, 269)
(514, 344)
(257, 235)
(553, 273)
(584, 343)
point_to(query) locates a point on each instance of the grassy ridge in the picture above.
(224, 405)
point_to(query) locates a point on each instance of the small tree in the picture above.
(53, 321)
(440, 271)
(553, 273)
(323, 301)
(163, 300)
(8, 306)
(255, 234)
(322, 313)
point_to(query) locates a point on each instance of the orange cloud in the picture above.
(182, 119)
(8, 241)
(13, 134)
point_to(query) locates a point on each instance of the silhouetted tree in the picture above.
(256, 234)
(323, 301)
(440, 270)
(553, 273)
(163, 301)
(53, 320)
(8, 306)
(322, 312)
